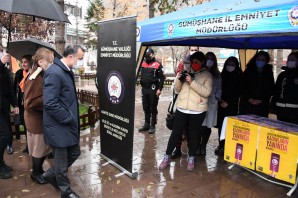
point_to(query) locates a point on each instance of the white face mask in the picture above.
(291, 64)
(209, 63)
(230, 68)
(192, 52)
(187, 67)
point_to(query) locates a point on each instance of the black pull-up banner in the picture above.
(116, 88)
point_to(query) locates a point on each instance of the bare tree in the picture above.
(60, 31)
(178, 54)
(118, 8)
(22, 27)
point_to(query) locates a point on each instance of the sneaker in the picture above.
(191, 164)
(9, 150)
(152, 129)
(165, 162)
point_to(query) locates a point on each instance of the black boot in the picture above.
(50, 177)
(145, 127)
(176, 153)
(152, 129)
(25, 150)
(5, 171)
(219, 151)
(206, 132)
(37, 170)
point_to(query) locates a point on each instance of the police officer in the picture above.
(285, 97)
(152, 80)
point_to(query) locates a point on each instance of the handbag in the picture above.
(170, 116)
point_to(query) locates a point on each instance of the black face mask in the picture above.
(148, 57)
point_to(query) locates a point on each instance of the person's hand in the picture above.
(257, 102)
(5, 58)
(158, 92)
(16, 110)
(179, 74)
(188, 78)
(251, 101)
(224, 104)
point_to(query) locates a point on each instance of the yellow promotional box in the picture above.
(241, 142)
(277, 154)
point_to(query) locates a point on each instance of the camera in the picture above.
(184, 74)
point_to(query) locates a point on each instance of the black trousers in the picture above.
(150, 102)
(194, 122)
(64, 158)
(5, 130)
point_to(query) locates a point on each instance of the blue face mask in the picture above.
(260, 64)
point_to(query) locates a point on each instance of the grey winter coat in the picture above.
(61, 114)
(211, 115)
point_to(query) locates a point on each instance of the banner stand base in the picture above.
(271, 181)
(131, 175)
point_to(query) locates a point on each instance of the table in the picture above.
(263, 145)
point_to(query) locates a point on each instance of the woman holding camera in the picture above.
(194, 89)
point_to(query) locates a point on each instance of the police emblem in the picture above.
(114, 87)
(171, 28)
(293, 16)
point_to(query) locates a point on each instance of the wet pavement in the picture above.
(91, 176)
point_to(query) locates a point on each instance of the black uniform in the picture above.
(152, 79)
(286, 95)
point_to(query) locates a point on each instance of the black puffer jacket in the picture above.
(258, 86)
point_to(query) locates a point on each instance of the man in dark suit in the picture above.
(61, 118)
(7, 98)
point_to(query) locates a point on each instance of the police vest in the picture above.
(149, 74)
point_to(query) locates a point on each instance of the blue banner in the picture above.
(279, 19)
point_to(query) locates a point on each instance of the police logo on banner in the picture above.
(293, 16)
(115, 87)
(138, 33)
(171, 28)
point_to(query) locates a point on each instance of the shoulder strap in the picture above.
(171, 106)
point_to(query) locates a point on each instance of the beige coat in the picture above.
(194, 96)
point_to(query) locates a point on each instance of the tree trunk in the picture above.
(1, 34)
(271, 53)
(151, 9)
(279, 60)
(60, 32)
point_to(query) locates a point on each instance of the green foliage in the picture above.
(83, 109)
(95, 13)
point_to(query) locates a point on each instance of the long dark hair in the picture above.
(214, 69)
(28, 57)
(252, 61)
(237, 70)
